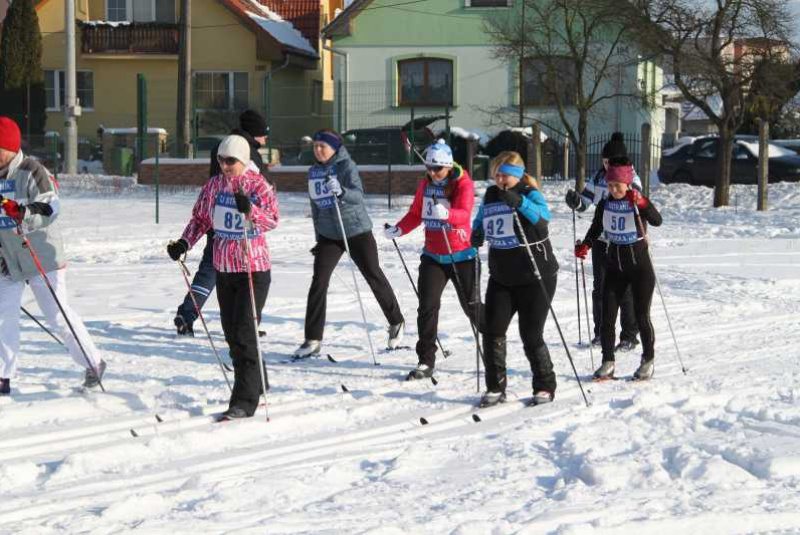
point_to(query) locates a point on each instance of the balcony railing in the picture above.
(129, 38)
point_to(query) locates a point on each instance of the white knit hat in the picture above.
(439, 154)
(235, 147)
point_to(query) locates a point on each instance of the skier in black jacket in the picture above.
(254, 129)
(620, 218)
(513, 288)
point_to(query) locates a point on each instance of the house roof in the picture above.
(341, 24)
(262, 19)
(303, 14)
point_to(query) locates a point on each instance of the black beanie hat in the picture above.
(615, 147)
(253, 123)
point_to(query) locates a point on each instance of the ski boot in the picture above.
(395, 335)
(422, 371)
(605, 372)
(5, 387)
(308, 349)
(626, 345)
(490, 399)
(234, 413)
(645, 370)
(92, 379)
(542, 397)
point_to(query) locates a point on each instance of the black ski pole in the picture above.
(460, 291)
(414, 286)
(39, 323)
(658, 285)
(577, 290)
(538, 277)
(185, 272)
(478, 319)
(40, 268)
(586, 307)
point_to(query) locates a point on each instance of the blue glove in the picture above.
(334, 186)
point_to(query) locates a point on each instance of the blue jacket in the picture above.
(351, 202)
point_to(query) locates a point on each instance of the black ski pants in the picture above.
(433, 277)
(502, 302)
(629, 327)
(327, 253)
(629, 268)
(233, 293)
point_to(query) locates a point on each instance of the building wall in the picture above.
(485, 93)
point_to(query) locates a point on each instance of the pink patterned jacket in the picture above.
(216, 209)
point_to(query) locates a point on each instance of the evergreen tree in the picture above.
(21, 68)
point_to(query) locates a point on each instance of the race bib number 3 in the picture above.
(229, 224)
(7, 190)
(498, 226)
(619, 223)
(318, 191)
(431, 222)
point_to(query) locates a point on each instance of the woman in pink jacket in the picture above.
(444, 200)
(236, 200)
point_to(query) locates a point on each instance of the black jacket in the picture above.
(255, 157)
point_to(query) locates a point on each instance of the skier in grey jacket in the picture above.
(29, 204)
(334, 179)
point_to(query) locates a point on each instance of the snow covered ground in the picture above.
(716, 450)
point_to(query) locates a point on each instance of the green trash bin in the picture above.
(121, 161)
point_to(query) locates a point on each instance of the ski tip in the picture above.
(134, 433)
(423, 421)
(331, 359)
(434, 381)
(159, 419)
(476, 418)
(344, 389)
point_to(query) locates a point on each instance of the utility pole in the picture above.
(183, 145)
(71, 108)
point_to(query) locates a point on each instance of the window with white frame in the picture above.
(425, 82)
(140, 10)
(55, 89)
(221, 90)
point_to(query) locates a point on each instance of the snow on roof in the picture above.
(528, 131)
(282, 30)
(462, 133)
(690, 112)
(121, 131)
(113, 24)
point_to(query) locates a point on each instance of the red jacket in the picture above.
(460, 204)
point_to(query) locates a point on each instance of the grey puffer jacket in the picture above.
(27, 182)
(351, 202)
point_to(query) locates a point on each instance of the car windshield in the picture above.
(774, 150)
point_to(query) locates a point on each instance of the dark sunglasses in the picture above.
(435, 168)
(227, 161)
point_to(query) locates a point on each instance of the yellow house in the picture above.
(243, 55)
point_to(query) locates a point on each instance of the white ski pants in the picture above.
(10, 301)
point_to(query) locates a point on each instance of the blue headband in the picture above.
(329, 139)
(513, 170)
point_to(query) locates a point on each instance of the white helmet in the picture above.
(439, 155)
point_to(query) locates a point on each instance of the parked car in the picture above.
(697, 163)
(791, 144)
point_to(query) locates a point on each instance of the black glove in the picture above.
(176, 249)
(242, 201)
(477, 238)
(573, 199)
(511, 198)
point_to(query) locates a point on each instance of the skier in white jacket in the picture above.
(29, 204)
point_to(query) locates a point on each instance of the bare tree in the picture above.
(713, 47)
(570, 50)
